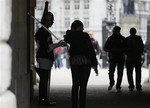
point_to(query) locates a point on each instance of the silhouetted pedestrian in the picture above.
(66, 57)
(97, 50)
(115, 46)
(135, 49)
(45, 56)
(58, 58)
(82, 58)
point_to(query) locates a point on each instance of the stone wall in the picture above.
(15, 54)
(19, 42)
(5, 56)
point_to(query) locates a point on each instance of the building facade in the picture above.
(90, 12)
(134, 15)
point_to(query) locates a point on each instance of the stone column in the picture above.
(7, 98)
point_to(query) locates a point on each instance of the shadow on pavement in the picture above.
(99, 97)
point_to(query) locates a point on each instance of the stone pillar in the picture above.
(20, 44)
(129, 18)
(126, 22)
(7, 98)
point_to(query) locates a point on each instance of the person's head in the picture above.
(132, 31)
(48, 19)
(77, 25)
(90, 34)
(116, 30)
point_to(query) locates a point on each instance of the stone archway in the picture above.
(16, 53)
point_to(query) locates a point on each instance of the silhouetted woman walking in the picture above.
(82, 58)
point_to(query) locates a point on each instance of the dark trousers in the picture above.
(80, 76)
(112, 66)
(130, 65)
(43, 84)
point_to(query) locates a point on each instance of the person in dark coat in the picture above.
(45, 56)
(115, 46)
(135, 49)
(82, 58)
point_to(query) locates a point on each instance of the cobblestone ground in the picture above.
(97, 94)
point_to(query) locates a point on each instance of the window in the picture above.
(76, 4)
(149, 6)
(86, 22)
(49, 5)
(67, 22)
(39, 5)
(144, 6)
(86, 4)
(67, 4)
(76, 18)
